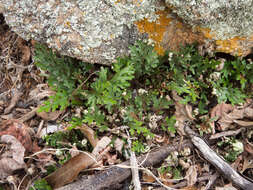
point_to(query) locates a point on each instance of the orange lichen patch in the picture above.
(67, 24)
(232, 45)
(155, 30)
(206, 32)
(168, 32)
(239, 46)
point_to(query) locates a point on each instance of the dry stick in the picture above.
(218, 162)
(211, 181)
(115, 175)
(226, 133)
(134, 164)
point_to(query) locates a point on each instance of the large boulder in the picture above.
(227, 23)
(95, 31)
(98, 31)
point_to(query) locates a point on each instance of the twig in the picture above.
(211, 181)
(115, 175)
(226, 133)
(28, 116)
(73, 93)
(134, 166)
(14, 100)
(218, 162)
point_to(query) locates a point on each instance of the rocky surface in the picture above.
(98, 31)
(91, 30)
(227, 23)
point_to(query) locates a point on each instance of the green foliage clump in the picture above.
(196, 78)
(63, 142)
(41, 184)
(233, 148)
(63, 74)
(135, 87)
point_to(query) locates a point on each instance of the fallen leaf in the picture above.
(226, 187)
(19, 130)
(13, 159)
(191, 175)
(14, 100)
(244, 123)
(101, 145)
(248, 148)
(40, 92)
(70, 170)
(218, 112)
(90, 135)
(50, 116)
(182, 113)
(227, 115)
(247, 163)
(220, 109)
(248, 112)
(146, 177)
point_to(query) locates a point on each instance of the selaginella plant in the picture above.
(134, 91)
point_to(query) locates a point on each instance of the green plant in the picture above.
(40, 184)
(196, 78)
(233, 148)
(63, 74)
(135, 87)
(63, 142)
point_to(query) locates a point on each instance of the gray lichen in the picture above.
(226, 19)
(92, 30)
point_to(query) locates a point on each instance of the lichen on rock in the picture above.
(226, 19)
(228, 24)
(92, 30)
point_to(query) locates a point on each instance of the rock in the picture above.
(227, 23)
(98, 31)
(93, 30)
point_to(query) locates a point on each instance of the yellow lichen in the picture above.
(232, 45)
(156, 29)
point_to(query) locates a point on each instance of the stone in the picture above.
(228, 24)
(98, 31)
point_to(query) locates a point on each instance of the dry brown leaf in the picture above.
(101, 145)
(244, 123)
(228, 115)
(191, 175)
(90, 135)
(218, 112)
(50, 116)
(13, 159)
(70, 170)
(249, 148)
(41, 91)
(19, 130)
(146, 177)
(248, 112)
(226, 187)
(247, 163)
(220, 109)
(189, 188)
(14, 100)
(182, 114)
